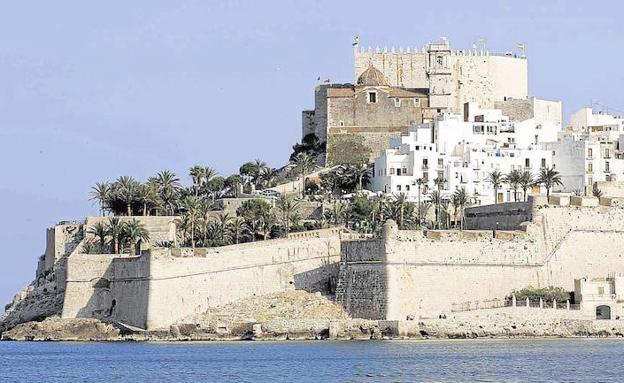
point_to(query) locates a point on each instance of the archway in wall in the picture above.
(603, 312)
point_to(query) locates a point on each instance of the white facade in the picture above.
(463, 151)
(590, 150)
(600, 298)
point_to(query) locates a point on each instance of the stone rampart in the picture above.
(425, 274)
(164, 285)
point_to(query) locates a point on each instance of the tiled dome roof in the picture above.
(372, 77)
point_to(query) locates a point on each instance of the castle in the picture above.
(395, 89)
(426, 103)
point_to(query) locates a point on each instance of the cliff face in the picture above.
(41, 299)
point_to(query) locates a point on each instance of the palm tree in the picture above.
(197, 175)
(525, 182)
(269, 177)
(100, 231)
(114, 229)
(135, 231)
(148, 196)
(101, 193)
(381, 204)
(436, 200)
(192, 214)
(303, 165)
(219, 230)
(267, 221)
(237, 228)
(127, 189)
(168, 188)
(400, 203)
(496, 179)
(549, 177)
(513, 179)
(361, 173)
(234, 182)
(460, 199)
(439, 182)
(419, 182)
(287, 206)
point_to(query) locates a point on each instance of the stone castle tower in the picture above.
(395, 89)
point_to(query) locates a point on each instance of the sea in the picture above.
(535, 360)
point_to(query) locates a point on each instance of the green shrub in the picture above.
(546, 293)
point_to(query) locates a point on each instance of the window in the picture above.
(397, 102)
(536, 139)
(398, 171)
(590, 167)
(600, 290)
(607, 153)
(398, 187)
(543, 162)
(372, 97)
(407, 188)
(416, 102)
(391, 171)
(527, 163)
(606, 166)
(425, 163)
(341, 123)
(589, 153)
(404, 171)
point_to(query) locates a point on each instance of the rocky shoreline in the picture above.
(56, 329)
(299, 315)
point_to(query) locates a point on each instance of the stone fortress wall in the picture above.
(401, 275)
(164, 285)
(475, 75)
(416, 274)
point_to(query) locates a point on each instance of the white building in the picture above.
(600, 298)
(463, 151)
(589, 151)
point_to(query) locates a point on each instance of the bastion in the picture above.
(402, 275)
(418, 274)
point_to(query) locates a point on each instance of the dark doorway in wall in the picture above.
(603, 312)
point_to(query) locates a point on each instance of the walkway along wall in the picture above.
(164, 285)
(416, 273)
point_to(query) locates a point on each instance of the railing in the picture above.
(510, 302)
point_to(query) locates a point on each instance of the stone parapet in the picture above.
(560, 200)
(583, 201)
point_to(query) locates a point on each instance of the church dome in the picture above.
(372, 77)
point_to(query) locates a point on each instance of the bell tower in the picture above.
(439, 74)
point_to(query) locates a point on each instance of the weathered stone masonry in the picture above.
(425, 273)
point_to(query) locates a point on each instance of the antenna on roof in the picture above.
(356, 41)
(522, 48)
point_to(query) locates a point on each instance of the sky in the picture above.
(90, 91)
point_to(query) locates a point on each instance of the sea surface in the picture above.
(543, 360)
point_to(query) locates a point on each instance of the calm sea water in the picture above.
(567, 360)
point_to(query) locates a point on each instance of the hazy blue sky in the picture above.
(93, 90)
